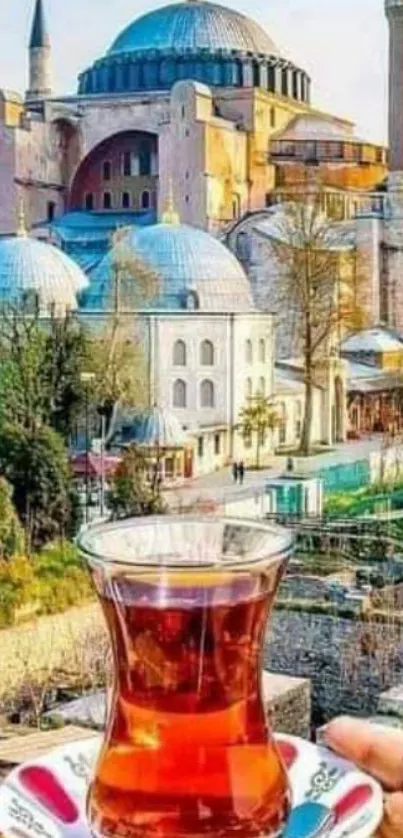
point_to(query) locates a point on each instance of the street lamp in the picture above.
(87, 378)
(103, 411)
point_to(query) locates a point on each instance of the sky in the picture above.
(341, 43)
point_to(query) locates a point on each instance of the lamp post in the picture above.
(87, 378)
(104, 412)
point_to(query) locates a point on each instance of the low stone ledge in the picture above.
(391, 702)
(288, 701)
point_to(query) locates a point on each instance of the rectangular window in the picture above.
(200, 447)
(283, 432)
(145, 161)
(106, 170)
(126, 164)
(51, 210)
(217, 444)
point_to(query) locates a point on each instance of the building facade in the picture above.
(192, 93)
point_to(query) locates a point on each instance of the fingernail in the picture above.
(321, 735)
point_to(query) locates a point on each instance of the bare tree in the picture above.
(118, 353)
(318, 286)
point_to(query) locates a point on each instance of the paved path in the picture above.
(220, 486)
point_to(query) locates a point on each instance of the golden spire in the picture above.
(21, 219)
(118, 235)
(170, 216)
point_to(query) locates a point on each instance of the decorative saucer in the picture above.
(332, 799)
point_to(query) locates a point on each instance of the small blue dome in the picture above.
(194, 25)
(29, 266)
(192, 269)
(155, 428)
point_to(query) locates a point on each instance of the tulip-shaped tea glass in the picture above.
(188, 750)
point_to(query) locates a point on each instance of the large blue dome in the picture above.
(199, 41)
(194, 25)
(31, 268)
(192, 269)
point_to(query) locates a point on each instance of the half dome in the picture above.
(29, 267)
(192, 269)
(194, 25)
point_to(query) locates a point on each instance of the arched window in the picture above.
(179, 394)
(89, 201)
(179, 355)
(248, 389)
(262, 386)
(126, 200)
(207, 394)
(207, 354)
(145, 199)
(106, 170)
(262, 351)
(249, 352)
(107, 200)
(282, 414)
(192, 301)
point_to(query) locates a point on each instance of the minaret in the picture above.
(394, 14)
(391, 279)
(39, 57)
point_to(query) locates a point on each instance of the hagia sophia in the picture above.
(190, 134)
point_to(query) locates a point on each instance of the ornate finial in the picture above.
(170, 216)
(22, 222)
(118, 235)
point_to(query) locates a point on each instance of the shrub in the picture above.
(11, 532)
(17, 587)
(52, 581)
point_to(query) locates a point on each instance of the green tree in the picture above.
(318, 286)
(256, 419)
(67, 346)
(40, 369)
(132, 492)
(11, 533)
(35, 464)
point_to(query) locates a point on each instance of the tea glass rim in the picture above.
(277, 545)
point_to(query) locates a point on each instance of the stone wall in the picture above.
(349, 663)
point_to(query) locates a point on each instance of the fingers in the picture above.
(379, 751)
(392, 824)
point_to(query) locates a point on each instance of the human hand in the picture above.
(379, 752)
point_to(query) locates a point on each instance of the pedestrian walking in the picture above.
(235, 472)
(241, 472)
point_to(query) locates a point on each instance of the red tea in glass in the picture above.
(188, 749)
